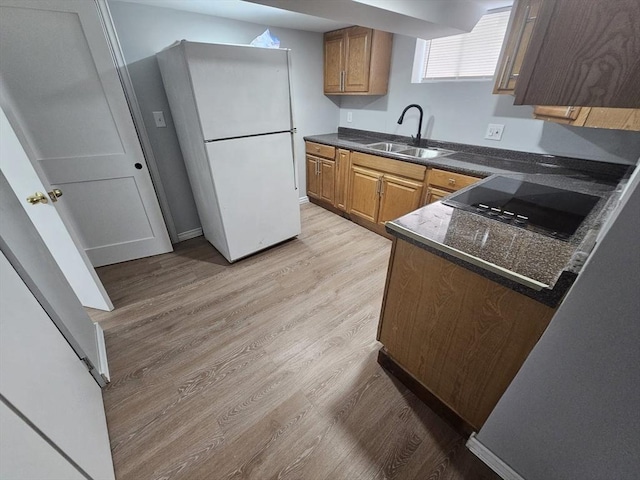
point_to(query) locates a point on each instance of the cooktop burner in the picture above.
(547, 210)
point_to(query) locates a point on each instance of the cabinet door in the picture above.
(342, 178)
(313, 177)
(358, 59)
(435, 195)
(398, 196)
(519, 31)
(328, 180)
(583, 53)
(364, 198)
(334, 53)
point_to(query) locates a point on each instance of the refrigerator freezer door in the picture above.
(239, 90)
(256, 191)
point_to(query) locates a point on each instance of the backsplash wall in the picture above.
(460, 112)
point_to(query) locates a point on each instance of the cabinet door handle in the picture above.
(523, 26)
(342, 75)
(569, 112)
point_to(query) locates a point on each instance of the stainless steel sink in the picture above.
(388, 147)
(425, 152)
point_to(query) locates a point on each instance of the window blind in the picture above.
(469, 55)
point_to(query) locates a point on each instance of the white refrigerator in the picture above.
(231, 106)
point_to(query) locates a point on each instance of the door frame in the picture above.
(136, 114)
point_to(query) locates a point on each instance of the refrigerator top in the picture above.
(240, 90)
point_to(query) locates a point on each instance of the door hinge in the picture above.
(87, 363)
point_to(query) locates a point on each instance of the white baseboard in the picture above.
(303, 200)
(491, 460)
(196, 232)
(103, 368)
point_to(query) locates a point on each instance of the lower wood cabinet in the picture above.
(435, 195)
(343, 158)
(364, 194)
(441, 183)
(462, 336)
(398, 196)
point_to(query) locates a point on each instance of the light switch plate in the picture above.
(494, 132)
(158, 117)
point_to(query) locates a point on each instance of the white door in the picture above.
(43, 381)
(240, 90)
(58, 237)
(21, 243)
(61, 92)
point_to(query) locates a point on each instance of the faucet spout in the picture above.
(401, 119)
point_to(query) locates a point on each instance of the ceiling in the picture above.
(325, 13)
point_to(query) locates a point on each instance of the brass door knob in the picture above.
(55, 194)
(37, 197)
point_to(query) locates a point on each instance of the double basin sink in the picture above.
(409, 151)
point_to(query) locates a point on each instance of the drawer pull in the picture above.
(317, 149)
(452, 181)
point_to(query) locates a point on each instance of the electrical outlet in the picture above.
(158, 117)
(494, 132)
(349, 117)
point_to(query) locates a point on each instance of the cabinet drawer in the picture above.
(449, 180)
(325, 151)
(387, 165)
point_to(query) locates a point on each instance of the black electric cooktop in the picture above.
(547, 210)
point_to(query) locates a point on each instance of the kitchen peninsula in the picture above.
(467, 296)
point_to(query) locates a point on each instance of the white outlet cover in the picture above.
(158, 117)
(494, 131)
(349, 117)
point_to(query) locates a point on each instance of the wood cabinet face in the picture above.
(313, 180)
(364, 199)
(327, 181)
(357, 59)
(342, 178)
(398, 196)
(521, 24)
(435, 195)
(333, 62)
(583, 53)
(458, 333)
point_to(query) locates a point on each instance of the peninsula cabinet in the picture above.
(356, 61)
(382, 189)
(458, 337)
(321, 172)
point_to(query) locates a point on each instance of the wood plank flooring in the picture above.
(265, 368)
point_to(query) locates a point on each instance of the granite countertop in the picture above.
(534, 264)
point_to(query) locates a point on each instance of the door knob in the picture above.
(37, 197)
(55, 194)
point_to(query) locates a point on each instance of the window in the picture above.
(472, 55)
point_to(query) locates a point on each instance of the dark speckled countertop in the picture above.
(536, 265)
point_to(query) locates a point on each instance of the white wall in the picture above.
(143, 31)
(572, 409)
(460, 111)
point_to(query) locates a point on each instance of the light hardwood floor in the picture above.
(265, 368)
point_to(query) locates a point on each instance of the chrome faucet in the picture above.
(417, 137)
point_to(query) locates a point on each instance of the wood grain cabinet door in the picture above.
(328, 181)
(435, 195)
(398, 196)
(342, 178)
(583, 53)
(334, 53)
(364, 198)
(313, 177)
(521, 23)
(358, 59)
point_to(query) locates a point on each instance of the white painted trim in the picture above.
(136, 114)
(304, 199)
(196, 232)
(103, 368)
(494, 462)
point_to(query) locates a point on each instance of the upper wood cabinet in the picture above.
(596, 117)
(572, 52)
(356, 61)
